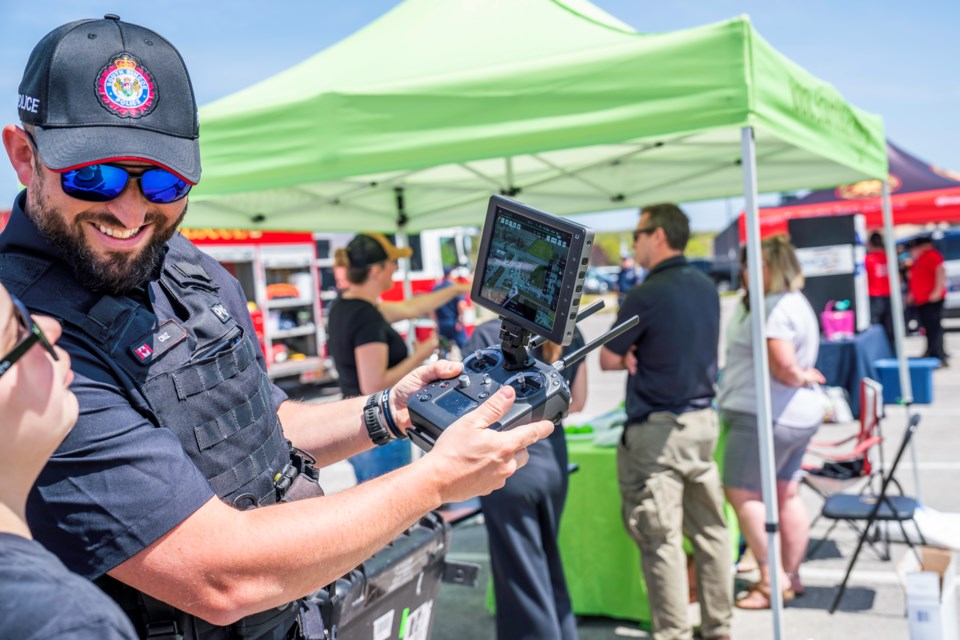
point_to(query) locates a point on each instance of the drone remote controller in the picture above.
(541, 394)
(530, 271)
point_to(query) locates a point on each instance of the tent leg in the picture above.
(761, 375)
(404, 263)
(899, 331)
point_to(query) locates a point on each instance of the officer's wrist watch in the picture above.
(374, 422)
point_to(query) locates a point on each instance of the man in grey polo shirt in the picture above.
(669, 482)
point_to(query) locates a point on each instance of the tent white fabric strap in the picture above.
(896, 308)
(579, 178)
(761, 375)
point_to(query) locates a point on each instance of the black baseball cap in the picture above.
(370, 248)
(107, 90)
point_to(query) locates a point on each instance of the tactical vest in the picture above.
(195, 374)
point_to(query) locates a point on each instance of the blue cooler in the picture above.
(381, 460)
(921, 379)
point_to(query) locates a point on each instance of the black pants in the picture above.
(522, 521)
(930, 315)
(881, 313)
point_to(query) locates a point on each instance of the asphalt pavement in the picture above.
(874, 606)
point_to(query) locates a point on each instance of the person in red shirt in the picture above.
(878, 285)
(927, 289)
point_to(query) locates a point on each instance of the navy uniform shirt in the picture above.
(676, 340)
(41, 600)
(117, 483)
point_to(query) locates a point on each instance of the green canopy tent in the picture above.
(444, 102)
(413, 121)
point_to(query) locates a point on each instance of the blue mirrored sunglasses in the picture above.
(104, 182)
(29, 334)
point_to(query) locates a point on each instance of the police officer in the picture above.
(175, 490)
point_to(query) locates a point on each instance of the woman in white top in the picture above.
(793, 339)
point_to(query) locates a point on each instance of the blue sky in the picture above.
(898, 59)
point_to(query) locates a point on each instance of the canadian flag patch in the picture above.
(143, 352)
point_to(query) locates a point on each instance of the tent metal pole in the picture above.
(761, 375)
(899, 331)
(404, 263)
(403, 241)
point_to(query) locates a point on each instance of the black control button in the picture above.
(483, 394)
(425, 397)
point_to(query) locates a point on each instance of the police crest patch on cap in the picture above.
(126, 88)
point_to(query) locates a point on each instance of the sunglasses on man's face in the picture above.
(637, 232)
(28, 335)
(103, 182)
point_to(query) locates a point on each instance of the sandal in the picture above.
(796, 586)
(758, 597)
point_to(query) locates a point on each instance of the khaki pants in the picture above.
(670, 487)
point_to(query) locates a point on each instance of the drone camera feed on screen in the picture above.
(531, 268)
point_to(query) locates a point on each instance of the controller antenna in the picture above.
(579, 354)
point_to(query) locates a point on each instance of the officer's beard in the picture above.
(116, 272)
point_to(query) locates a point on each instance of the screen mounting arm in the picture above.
(514, 339)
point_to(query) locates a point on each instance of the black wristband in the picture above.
(373, 421)
(388, 415)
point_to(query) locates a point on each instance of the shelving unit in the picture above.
(288, 322)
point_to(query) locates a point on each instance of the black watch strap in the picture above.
(373, 421)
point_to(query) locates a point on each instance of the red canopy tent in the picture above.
(921, 193)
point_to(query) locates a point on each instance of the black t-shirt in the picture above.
(676, 340)
(40, 599)
(353, 323)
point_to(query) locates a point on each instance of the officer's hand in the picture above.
(471, 460)
(412, 382)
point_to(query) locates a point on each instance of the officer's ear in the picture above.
(20, 152)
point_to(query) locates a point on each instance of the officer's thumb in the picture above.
(493, 409)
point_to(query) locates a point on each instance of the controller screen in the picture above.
(525, 267)
(456, 403)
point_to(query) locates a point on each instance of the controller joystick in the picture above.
(483, 360)
(526, 384)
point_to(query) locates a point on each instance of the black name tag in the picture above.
(153, 345)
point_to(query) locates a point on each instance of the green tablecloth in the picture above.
(601, 562)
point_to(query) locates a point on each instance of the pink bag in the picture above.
(837, 325)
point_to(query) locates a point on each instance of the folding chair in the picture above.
(871, 507)
(844, 468)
